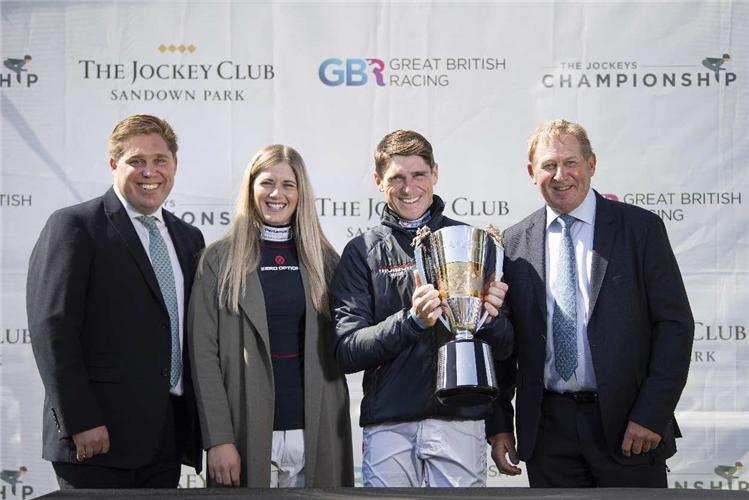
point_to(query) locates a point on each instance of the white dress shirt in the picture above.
(584, 378)
(179, 279)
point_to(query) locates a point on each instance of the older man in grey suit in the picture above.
(603, 329)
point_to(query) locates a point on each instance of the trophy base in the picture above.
(467, 396)
(465, 374)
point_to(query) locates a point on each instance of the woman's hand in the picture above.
(224, 464)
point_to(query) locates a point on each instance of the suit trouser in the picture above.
(571, 451)
(432, 452)
(162, 471)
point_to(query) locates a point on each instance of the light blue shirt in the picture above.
(584, 378)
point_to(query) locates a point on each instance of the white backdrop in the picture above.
(668, 116)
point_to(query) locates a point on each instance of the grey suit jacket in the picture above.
(640, 326)
(233, 378)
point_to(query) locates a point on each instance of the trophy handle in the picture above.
(500, 254)
(419, 256)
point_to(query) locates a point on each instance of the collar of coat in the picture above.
(391, 219)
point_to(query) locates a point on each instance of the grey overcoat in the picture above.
(233, 379)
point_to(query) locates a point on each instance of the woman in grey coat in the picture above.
(274, 409)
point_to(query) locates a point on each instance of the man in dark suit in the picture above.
(106, 296)
(603, 330)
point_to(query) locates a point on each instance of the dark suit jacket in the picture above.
(101, 337)
(640, 326)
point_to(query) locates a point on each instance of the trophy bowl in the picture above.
(454, 260)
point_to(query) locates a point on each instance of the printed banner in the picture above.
(662, 89)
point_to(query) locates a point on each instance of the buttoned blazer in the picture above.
(640, 326)
(101, 337)
(234, 384)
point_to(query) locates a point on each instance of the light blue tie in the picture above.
(564, 321)
(162, 266)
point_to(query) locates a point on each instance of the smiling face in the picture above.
(561, 173)
(408, 185)
(275, 194)
(144, 174)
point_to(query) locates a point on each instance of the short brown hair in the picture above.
(555, 129)
(140, 125)
(404, 143)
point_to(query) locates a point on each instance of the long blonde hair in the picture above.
(241, 243)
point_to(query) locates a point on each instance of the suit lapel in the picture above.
(186, 260)
(604, 234)
(312, 371)
(536, 241)
(119, 218)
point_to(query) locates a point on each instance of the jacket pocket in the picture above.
(620, 279)
(102, 374)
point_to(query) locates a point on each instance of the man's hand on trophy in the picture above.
(494, 297)
(427, 305)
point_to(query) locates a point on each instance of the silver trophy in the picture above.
(454, 261)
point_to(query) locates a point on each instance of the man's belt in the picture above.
(577, 397)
